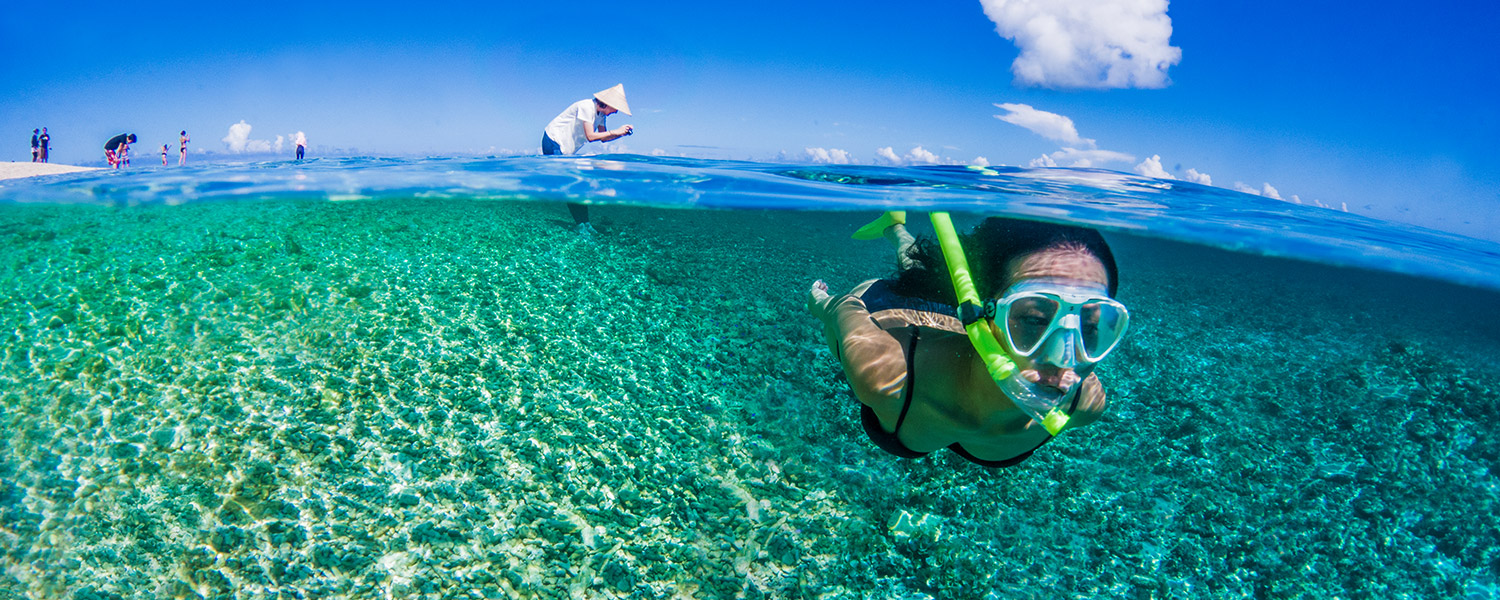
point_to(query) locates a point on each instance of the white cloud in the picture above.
(829, 156)
(1060, 129)
(920, 155)
(916, 156)
(1087, 43)
(239, 134)
(238, 141)
(277, 146)
(1265, 190)
(1202, 178)
(1052, 126)
(1074, 157)
(1151, 167)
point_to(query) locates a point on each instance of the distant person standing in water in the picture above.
(46, 142)
(581, 123)
(117, 150)
(163, 155)
(301, 144)
(182, 142)
(34, 143)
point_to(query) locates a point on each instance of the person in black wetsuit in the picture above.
(923, 385)
(117, 150)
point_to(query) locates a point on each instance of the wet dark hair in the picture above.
(130, 137)
(991, 247)
(184, 132)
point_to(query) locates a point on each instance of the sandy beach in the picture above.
(17, 170)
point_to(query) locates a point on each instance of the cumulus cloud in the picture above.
(1087, 43)
(1042, 161)
(1077, 151)
(1052, 126)
(1194, 176)
(1074, 157)
(1265, 190)
(920, 155)
(829, 156)
(238, 141)
(1271, 192)
(239, 134)
(1151, 167)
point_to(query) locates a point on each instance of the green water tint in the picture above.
(404, 397)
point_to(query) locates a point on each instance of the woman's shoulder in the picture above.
(892, 309)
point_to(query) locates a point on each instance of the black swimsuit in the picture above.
(890, 443)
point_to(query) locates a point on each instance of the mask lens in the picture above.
(1101, 326)
(1027, 320)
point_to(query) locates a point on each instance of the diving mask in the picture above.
(1059, 324)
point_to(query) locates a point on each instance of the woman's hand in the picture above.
(1091, 403)
(819, 301)
(1091, 399)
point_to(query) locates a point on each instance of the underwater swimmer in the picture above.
(1048, 291)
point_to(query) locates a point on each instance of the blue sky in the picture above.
(1384, 108)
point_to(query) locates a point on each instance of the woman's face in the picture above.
(1069, 266)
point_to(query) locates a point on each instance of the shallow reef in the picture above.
(466, 399)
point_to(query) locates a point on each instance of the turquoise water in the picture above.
(382, 378)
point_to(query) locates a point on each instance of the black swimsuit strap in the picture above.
(911, 377)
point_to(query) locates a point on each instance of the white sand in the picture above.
(16, 170)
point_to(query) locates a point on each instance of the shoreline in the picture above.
(19, 170)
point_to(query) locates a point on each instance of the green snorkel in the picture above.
(971, 312)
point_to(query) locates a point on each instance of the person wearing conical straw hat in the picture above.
(581, 123)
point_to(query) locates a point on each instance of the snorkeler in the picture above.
(583, 122)
(1020, 372)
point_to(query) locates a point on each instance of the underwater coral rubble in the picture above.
(441, 398)
(225, 399)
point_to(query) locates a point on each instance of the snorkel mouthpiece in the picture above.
(1037, 402)
(1034, 401)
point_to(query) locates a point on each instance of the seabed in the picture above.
(401, 398)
